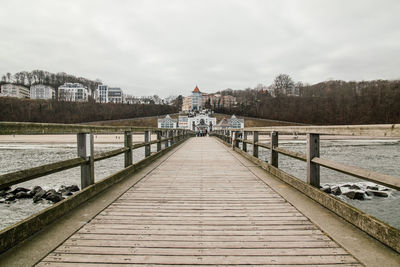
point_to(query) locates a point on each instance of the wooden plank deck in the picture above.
(200, 207)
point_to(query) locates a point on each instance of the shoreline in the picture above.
(119, 138)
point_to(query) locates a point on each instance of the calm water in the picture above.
(381, 156)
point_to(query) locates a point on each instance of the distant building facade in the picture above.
(73, 92)
(13, 90)
(167, 122)
(233, 122)
(115, 95)
(102, 93)
(198, 101)
(41, 91)
(187, 104)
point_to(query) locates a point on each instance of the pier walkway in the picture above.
(203, 205)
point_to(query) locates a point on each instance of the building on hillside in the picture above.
(129, 99)
(228, 101)
(115, 95)
(197, 121)
(73, 92)
(13, 90)
(197, 100)
(102, 93)
(41, 91)
(233, 122)
(183, 122)
(167, 122)
(187, 104)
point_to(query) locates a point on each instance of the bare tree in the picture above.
(283, 85)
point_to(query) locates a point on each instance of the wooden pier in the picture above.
(200, 207)
(197, 202)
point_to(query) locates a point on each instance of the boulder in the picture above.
(336, 190)
(355, 194)
(22, 194)
(35, 190)
(53, 196)
(19, 189)
(373, 187)
(378, 193)
(72, 188)
(10, 197)
(2, 200)
(39, 195)
(326, 189)
(4, 191)
(354, 186)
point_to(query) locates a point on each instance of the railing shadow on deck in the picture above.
(16, 233)
(383, 232)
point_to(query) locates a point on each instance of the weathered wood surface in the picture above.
(200, 207)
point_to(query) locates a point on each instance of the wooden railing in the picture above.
(312, 156)
(383, 232)
(85, 154)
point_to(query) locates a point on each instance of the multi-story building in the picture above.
(102, 93)
(167, 122)
(41, 91)
(197, 100)
(13, 90)
(115, 95)
(187, 104)
(197, 121)
(74, 92)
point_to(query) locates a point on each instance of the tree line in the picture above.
(27, 110)
(329, 102)
(28, 78)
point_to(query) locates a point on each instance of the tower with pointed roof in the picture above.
(197, 99)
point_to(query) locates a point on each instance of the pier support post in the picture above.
(236, 137)
(128, 144)
(255, 147)
(85, 151)
(159, 141)
(313, 174)
(244, 144)
(147, 148)
(274, 154)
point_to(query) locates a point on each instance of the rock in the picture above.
(326, 189)
(72, 188)
(10, 197)
(22, 194)
(369, 193)
(373, 187)
(2, 200)
(19, 189)
(35, 190)
(336, 190)
(53, 196)
(346, 185)
(39, 195)
(67, 193)
(355, 195)
(354, 186)
(378, 193)
(4, 191)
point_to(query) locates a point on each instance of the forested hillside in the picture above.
(331, 102)
(14, 109)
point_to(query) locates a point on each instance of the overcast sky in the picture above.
(167, 47)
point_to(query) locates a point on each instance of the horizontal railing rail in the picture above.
(85, 147)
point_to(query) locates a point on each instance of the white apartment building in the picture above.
(13, 90)
(102, 91)
(41, 91)
(73, 92)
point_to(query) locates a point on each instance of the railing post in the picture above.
(159, 141)
(166, 137)
(255, 147)
(244, 144)
(313, 173)
(128, 144)
(147, 137)
(85, 150)
(236, 137)
(274, 154)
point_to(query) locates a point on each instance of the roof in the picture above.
(196, 90)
